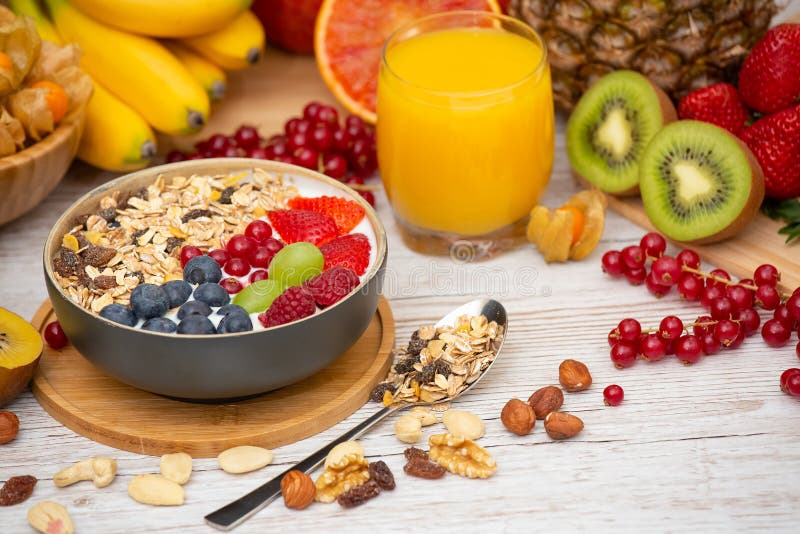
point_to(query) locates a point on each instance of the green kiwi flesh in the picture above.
(699, 183)
(610, 127)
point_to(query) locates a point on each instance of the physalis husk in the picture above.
(569, 232)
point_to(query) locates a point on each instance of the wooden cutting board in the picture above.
(758, 243)
(84, 399)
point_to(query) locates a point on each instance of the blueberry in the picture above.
(119, 314)
(178, 292)
(235, 322)
(194, 307)
(149, 300)
(202, 269)
(159, 324)
(230, 308)
(212, 294)
(196, 324)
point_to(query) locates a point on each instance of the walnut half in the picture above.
(350, 471)
(461, 456)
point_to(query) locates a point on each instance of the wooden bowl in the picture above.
(31, 174)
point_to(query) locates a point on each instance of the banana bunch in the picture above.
(156, 65)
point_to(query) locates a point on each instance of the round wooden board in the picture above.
(84, 399)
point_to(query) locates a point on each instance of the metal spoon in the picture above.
(240, 510)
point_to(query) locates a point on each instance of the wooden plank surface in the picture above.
(710, 448)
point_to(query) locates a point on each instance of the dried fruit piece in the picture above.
(461, 456)
(71, 242)
(298, 490)
(412, 453)
(545, 400)
(376, 395)
(359, 494)
(569, 232)
(98, 256)
(17, 490)
(417, 467)
(574, 375)
(382, 475)
(351, 471)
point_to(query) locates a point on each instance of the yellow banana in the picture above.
(211, 77)
(43, 24)
(236, 46)
(164, 18)
(137, 70)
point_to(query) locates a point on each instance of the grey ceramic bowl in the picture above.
(225, 365)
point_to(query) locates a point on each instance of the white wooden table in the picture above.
(709, 448)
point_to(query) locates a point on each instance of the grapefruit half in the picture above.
(349, 35)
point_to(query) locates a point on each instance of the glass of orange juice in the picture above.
(465, 130)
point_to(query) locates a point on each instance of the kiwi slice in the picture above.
(610, 127)
(699, 183)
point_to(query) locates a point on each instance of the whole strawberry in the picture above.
(717, 104)
(769, 79)
(775, 141)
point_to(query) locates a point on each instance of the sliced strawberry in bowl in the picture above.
(303, 225)
(346, 213)
(332, 285)
(717, 104)
(350, 250)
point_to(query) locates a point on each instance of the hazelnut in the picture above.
(9, 426)
(298, 490)
(560, 425)
(518, 417)
(545, 400)
(574, 375)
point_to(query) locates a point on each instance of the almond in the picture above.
(9, 426)
(298, 490)
(545, 400)
(518, 417)
(574, 376)
(560, 425)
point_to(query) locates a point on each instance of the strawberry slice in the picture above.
(303, 225)
(716, 104)
(350, 250)
(346, 213)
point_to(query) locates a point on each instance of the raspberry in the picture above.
(332, 285)
(291, 305)
(351, 251)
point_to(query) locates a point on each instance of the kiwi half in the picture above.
(699, 183)
(610, 127)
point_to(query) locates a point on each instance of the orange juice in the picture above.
(465, 128)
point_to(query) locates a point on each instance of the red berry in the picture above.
(670, 328)
(623, 355)
(688, 349)
(742, 298)
(782, 314)
(656, 289)
(612, 263)
(726, 332)
(258, 275)
(717, 104)
(261, 153)
(721, 308)
(368, 196)
(767, 297)
(766, 275)
(793, 306)
(702, 327)
(297, 140)
(775, 142)
(653, 244)
(293, 304)
(291, 125)
(334, 165)
(174, 156)
(690, 286)
(636, 277)
(239, 246)
(328, 115)
(689, 258)
(629, 330)
(303, 225)
(797, 349)
(613, 395)
(652, 347)
(258, 230)
(237, 267)
(220, 256)
(230, 152)
(342, 141)
(332, 285)
(666, 270)
(247, 137)
(749, 321)
(279, 147)
(188, 252)
(738, 341)
(613, 337)
(307, 157)
(217, 143)
(793, 385)
(273, 245)
(54, 335)
(349, 250)
(710, 344)
(311, 110)
(321, 139)
(788, 373)
(354, 120)
(718, 274)
(709, 294)
(260, 256)
(231, 285)
(633, 257)
(775, 333)
(769, 79)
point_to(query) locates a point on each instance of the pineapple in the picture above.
(680, 45)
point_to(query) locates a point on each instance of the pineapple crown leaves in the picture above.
(787, 211)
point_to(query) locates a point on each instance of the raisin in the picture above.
(173, 242)
(377, 392)
(382, 475)
(405, 366)
(104, 282)
(138, 275)
(413, 452)
(17, 490)
(80, 220)
(98, 256)
(109, 214)
(136, 235)
(359, 495)
(82, 241)
(66, 262)
(415, 344)
(419, 468)
(194, 214)
(123, 199)
(429, 372)
(225, 197)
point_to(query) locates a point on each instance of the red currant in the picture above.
(260, 256)
(788, 373)
(767, 297)
(726, 332)
(689, 258)
(247, 137)
(688, 349)
(279, 147)
(297, 140)
(719, 275)
(633, 257)
(311, 110)
(237, 267)
(670, 328)
(354, 120)
(797, 349)
(656, 289)
(613, 395)
(793, 385)
(782, 314)
(239, 246)
(188, 252)
(273, 245)
(368, 196)
(738, 341)
(54, 335)
(652, 347)
(690, 286)
(307, 157)
(741, 297)
(623, 355)
(701, 327)
(613, 337)
(749, 321)
(334, 165)
(667, 270)
(775, 333)
(231, 285)
(721, 308)
(258, 230)
(709, 294)
(321, 139)
(220, 256)
(793, 306)
(342, 141)
(230, 152)
(174, 156)
(260, 153)
(217, 143)
(653, 244)
(612, 263)
(636, 277)
(630, 330)
(258, 275)
(710, 344)
(766, 275)
(328, 115)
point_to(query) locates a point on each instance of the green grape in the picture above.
(258, 296)
(296, 263)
